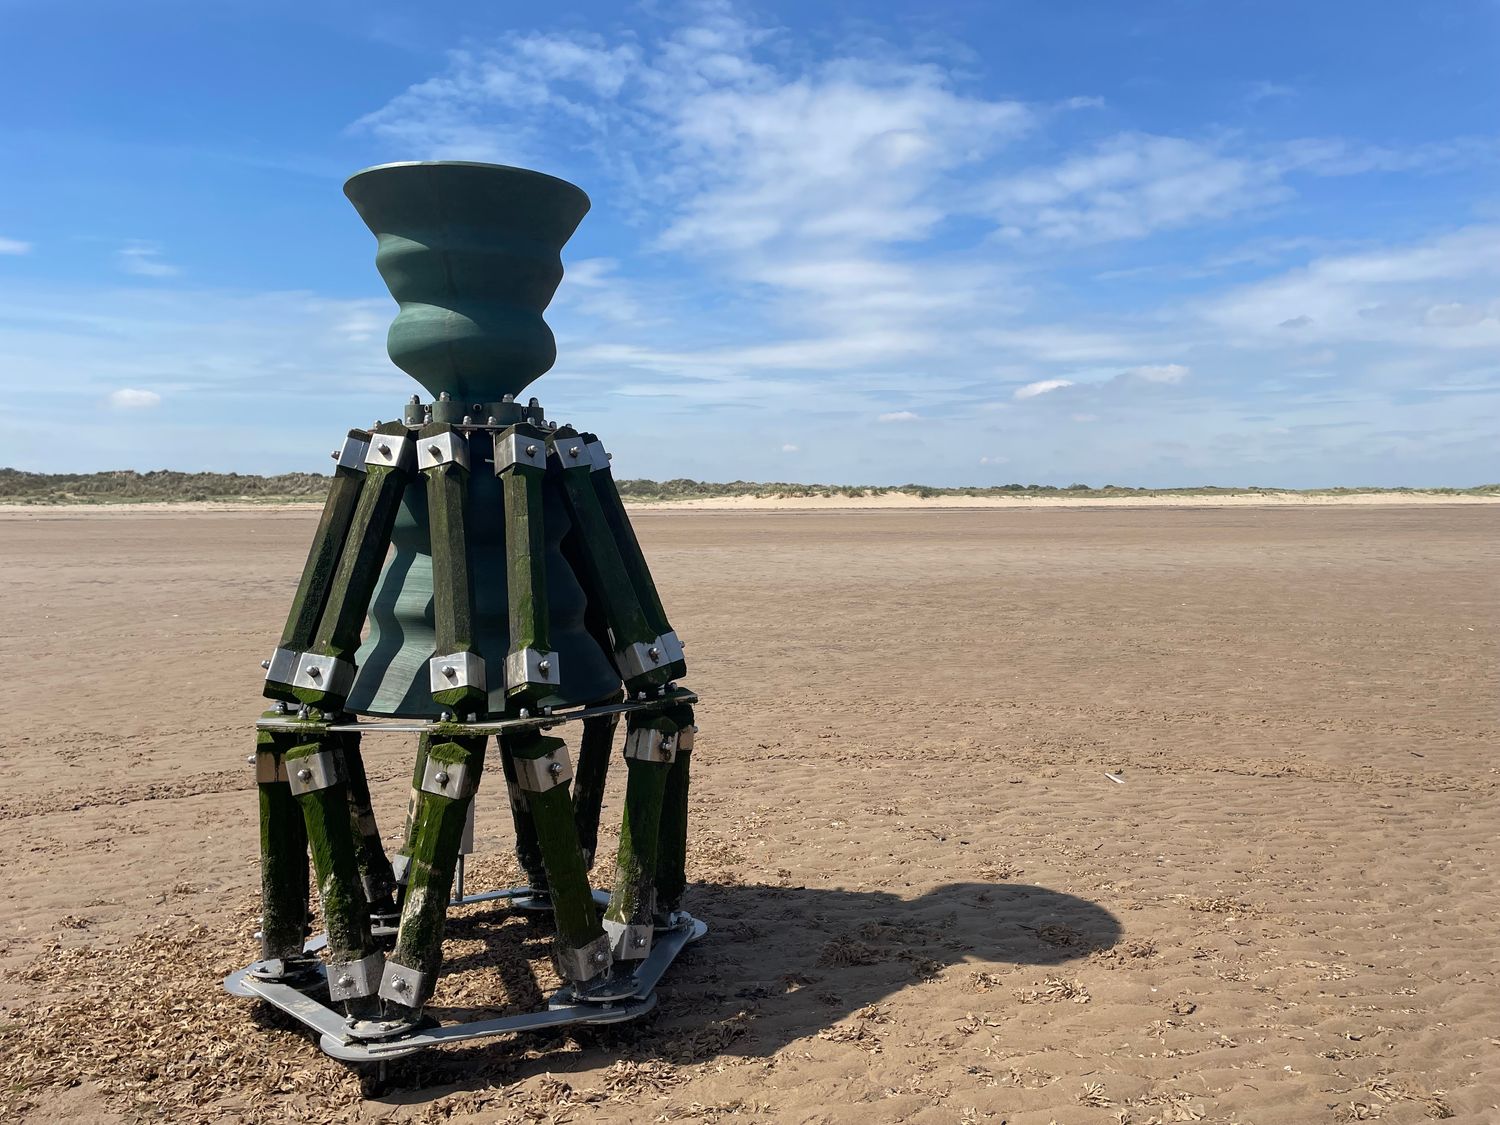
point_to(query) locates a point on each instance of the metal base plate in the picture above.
(341, 1041)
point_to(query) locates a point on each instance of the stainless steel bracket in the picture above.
(282, 666)
(448, 779)
(598, 458)
(404, 985)
(444, 449)
(584, 963)
(513, 449)
(671, 646)
(400, 865)
(323, 673)
(569, 451)
(350, 980)
(457, 669)
(628, 941)
(642, 657)
(269, 767)
(539, 775)
(531, 666)
(391, 451)
(646, 744)
(352, 454)
(312, 772)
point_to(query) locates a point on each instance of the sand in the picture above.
(929, 901)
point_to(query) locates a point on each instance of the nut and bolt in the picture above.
(572, 451)
(555, 768)
(544, 666)
(266, 664)
(346, 981)
(449, 671)
(639, 942)
(531, 451)
(304, 775)
(440, 777)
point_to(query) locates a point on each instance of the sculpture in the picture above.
(515, 601)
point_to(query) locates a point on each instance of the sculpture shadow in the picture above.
(779, 964)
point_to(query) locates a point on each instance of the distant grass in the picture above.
(167, 486)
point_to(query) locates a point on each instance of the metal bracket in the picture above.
(539, 775)
(312, 772)
(583, 963)
(400, 864)
(647, 744)
(390, 451)
(352, 454)
(447, 779)
(685, 738)
(512, 449)
(598, 458)
(671, 646)
(404, 985)
(629, 942)
(269, 767)
(282, 666)
(642, 657)
(443, 449)
(327, 674)
(456, 670)
(569, 450)
(531, 666)
(350, 980)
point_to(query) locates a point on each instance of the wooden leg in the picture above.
(283, 853)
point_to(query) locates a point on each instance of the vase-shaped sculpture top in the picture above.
(471, 252)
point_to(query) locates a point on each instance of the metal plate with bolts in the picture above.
(538, 775)
(323, 673)
(404, 985)
(443, 449)
(352, 454)
(569, 450)
(598, 458)
(512, 448)
(354, 979)
(456, 670)
(389, 451)
(670, 646)
(640, 658)
(531, 666)
(629, 942)
(447, 779)
(282, 666)
(646, 744)
(585, 962)
(312, 772)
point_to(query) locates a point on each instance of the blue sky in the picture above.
(949, 242)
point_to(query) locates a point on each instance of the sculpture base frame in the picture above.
(304, 998)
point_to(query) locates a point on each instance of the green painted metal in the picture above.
(471, 252)
(526, 571)
(283, 852)
(452, 587)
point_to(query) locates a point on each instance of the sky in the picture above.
(952, 242)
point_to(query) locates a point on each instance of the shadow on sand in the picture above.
(779, 964)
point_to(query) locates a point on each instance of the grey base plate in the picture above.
(342, 1041)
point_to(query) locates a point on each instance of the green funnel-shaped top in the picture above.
(471, 254)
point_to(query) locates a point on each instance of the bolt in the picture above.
(449, 671)
(401, 984)
(385, 448)
(250, 760)
(492, 421)
(601, 957)
(609, 456)
(654, 653)
(279, 707)
(445, 716)
(573, 451)
(346, 981)
(315, 673)
(266, 664)
(525, 714)
(555, 768)
(440, 777)
(435, 449)
(533, 402)
(507, 398)
(639, 943)
(531, 451)
(544, 665)
(443, 396)
(415, 399)
(334, 453)
(468, 419)
(304, 775)
(302, 711)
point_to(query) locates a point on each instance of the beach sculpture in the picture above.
(505, 595)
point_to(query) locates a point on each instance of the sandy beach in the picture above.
(1111, 812)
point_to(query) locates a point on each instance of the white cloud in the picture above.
(790, 448)
(14, 246)
(899, 416)
(133, 398)
(1160, 372)
(1042, 387)
(994, 460)
(143, 259)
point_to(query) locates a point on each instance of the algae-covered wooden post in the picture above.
(671, 848)
(650, 748)
(283, 854)
(457, 672)
(589, 779)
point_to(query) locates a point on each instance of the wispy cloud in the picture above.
(144, 259)
(1042, 387)
(133, 398)
(899, 416)
(14, 246)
